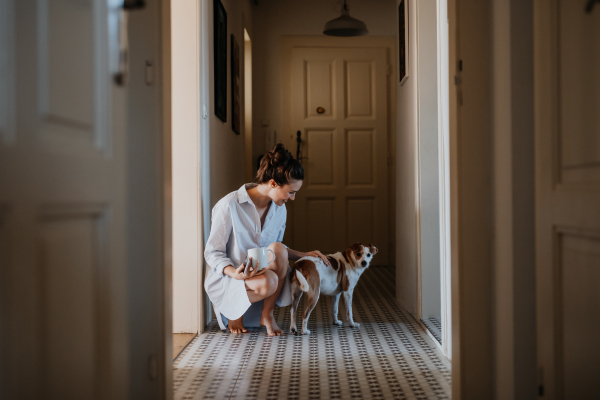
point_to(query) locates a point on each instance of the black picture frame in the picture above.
(236, 119)
(403, 41)
(220, 60)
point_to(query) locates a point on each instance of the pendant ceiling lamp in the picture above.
(345, 25)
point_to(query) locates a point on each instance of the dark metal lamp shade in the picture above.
(345, 25)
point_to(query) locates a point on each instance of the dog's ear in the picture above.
(356, 246)
(348, 255)
(373, 249)
(334, 263)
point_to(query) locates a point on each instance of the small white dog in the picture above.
(313, 276)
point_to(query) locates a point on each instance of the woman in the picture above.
(254, 216)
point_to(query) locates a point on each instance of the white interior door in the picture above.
(567, 99)
(339, 104)
(62, 203)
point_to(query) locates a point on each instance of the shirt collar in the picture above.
(243, 196)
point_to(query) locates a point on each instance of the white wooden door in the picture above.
(62, 203)
(567, 101)
(339, 103)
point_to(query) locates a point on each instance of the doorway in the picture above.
(433, 169)
(337, 120)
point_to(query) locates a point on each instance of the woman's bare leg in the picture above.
(258, 288)
(280, 267)
(267, 286)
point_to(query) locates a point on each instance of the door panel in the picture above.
(321, 152)
(361, 211)
(69, 248)
(360, 158)
(64, 309)
(320, 225)
(579, 267)
(319, 88)
(567, 197)
(359, 88)
(344, 197)
(67, 93)
(578, 103)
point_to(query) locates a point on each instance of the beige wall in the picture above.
(187, 240)
(223, 148)
(406, 198)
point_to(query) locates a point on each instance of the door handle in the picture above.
(122, 73)
(299, 147)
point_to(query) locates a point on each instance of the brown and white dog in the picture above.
(313, 276)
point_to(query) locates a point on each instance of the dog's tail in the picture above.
(302, 283)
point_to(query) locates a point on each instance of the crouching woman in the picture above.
(254, 216)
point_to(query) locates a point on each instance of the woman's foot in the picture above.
(269, 323)
(237, 326)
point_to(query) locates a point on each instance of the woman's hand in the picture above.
(317, 253)
(241, 272)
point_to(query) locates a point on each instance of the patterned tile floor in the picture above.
(435, 327)
(388, 357)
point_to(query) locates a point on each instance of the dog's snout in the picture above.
(364, 263)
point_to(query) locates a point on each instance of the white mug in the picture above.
(260, 255)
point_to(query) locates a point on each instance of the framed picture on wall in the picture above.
(235, 86)
(220, 62)
(403, 41)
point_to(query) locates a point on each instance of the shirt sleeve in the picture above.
(215, 252)
(282, 230)
(280, 234)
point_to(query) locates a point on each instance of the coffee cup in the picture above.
(260, 255)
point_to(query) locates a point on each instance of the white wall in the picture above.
(406, 200)
(187, 244)
(273, 19)
(224, 149)
(429, 211)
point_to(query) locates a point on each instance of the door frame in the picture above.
(444, 157)
(190, 119)
(288, 43)
(185, 195)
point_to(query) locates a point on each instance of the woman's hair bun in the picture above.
(279, 164)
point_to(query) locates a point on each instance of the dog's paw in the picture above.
(306, 332)
(338, 322)
(293, 329)
(355, 324)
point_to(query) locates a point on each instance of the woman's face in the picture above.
(281, 194)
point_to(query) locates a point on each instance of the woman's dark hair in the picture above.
(279, 165)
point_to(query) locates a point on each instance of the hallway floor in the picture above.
(389, 356)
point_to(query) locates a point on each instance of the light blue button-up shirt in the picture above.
(235, 229)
